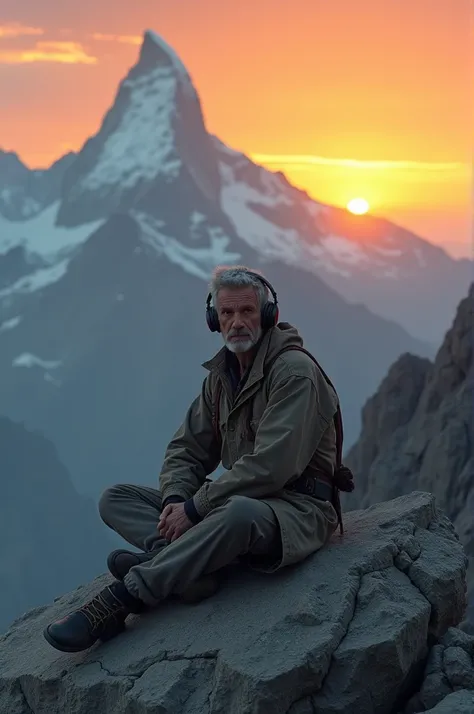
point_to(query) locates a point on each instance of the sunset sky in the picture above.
(369, 98)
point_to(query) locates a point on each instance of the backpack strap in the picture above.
(215, 414)
(343, 479)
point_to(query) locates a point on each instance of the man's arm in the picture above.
(291, 427)
(193, 452)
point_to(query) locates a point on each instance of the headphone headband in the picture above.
(269, 311)
(263, 280)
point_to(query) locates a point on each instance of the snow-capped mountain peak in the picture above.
(156, 51)
(153, 132)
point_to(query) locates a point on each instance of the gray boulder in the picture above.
(346, 632)
(461, 702)
(448, 680)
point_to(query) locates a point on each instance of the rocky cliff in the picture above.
(418, 432)
(51, 538)
(349, 631)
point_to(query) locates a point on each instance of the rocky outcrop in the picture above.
(51, 537)
(417, 432)
(448, 682)
(346, 632)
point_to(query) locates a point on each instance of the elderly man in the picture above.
(269, 413)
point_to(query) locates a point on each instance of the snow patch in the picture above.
(26, 359)
(6, 195)
(22, 205)
(197, 261)
(343, 249)
(389, 252)
(260, 233)
(142, 146)
(53, 380)
(316, 209)
(175, 60)
(41, 236)
(196, 225)
(37, 280)
(266, 237)
(10, 324)
(420, 257)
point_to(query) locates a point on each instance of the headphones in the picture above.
(268, 315)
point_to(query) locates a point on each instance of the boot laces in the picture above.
(99, 610)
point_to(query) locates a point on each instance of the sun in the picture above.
(359, 206)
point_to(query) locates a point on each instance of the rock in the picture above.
(461, 702)
(450, 668)
(417, 434)
(345, 632)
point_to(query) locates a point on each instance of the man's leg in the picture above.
(133, 512)
(239, 527)
(242, 526)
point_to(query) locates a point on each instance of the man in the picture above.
(265, 410)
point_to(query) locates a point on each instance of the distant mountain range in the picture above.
(51, 538)
(104, 260)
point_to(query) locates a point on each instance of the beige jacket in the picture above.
(279, 426)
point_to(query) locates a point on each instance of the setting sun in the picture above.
(359, 206)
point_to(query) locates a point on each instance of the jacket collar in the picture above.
(218, 363)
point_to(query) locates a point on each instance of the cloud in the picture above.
(59, 52)
(16, 29)
(307, 161)
(125, 39)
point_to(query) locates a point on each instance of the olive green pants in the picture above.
(242, 526)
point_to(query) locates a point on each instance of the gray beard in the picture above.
(246, 346)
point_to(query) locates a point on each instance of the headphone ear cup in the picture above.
(269, 315)
(212, 319)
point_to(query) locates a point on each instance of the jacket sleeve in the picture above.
(193, 452)
(289, 432)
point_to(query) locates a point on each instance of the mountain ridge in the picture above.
(417, 432)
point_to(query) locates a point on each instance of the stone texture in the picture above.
(346, 632)
(461, 702)
(449, 669)
(417, 434)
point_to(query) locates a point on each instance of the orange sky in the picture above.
(301, 86)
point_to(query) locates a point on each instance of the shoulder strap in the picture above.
(343, 479)
(216, 400)
(338, 415)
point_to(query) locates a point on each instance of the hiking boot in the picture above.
(119, 563)
(101, 618)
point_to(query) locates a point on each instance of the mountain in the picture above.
(102, 302)
(25, 193)
(51, 538)
(365, 259)
(417, 432)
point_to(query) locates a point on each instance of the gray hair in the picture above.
(237, 276)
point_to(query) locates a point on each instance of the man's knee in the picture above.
(241, 510)
(108, 500)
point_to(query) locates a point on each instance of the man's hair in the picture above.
(237, 276)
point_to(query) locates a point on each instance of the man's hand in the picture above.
(173, 521)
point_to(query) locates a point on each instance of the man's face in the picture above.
(239, 317)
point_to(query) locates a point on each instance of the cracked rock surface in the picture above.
(448, 680)
(345, 632)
